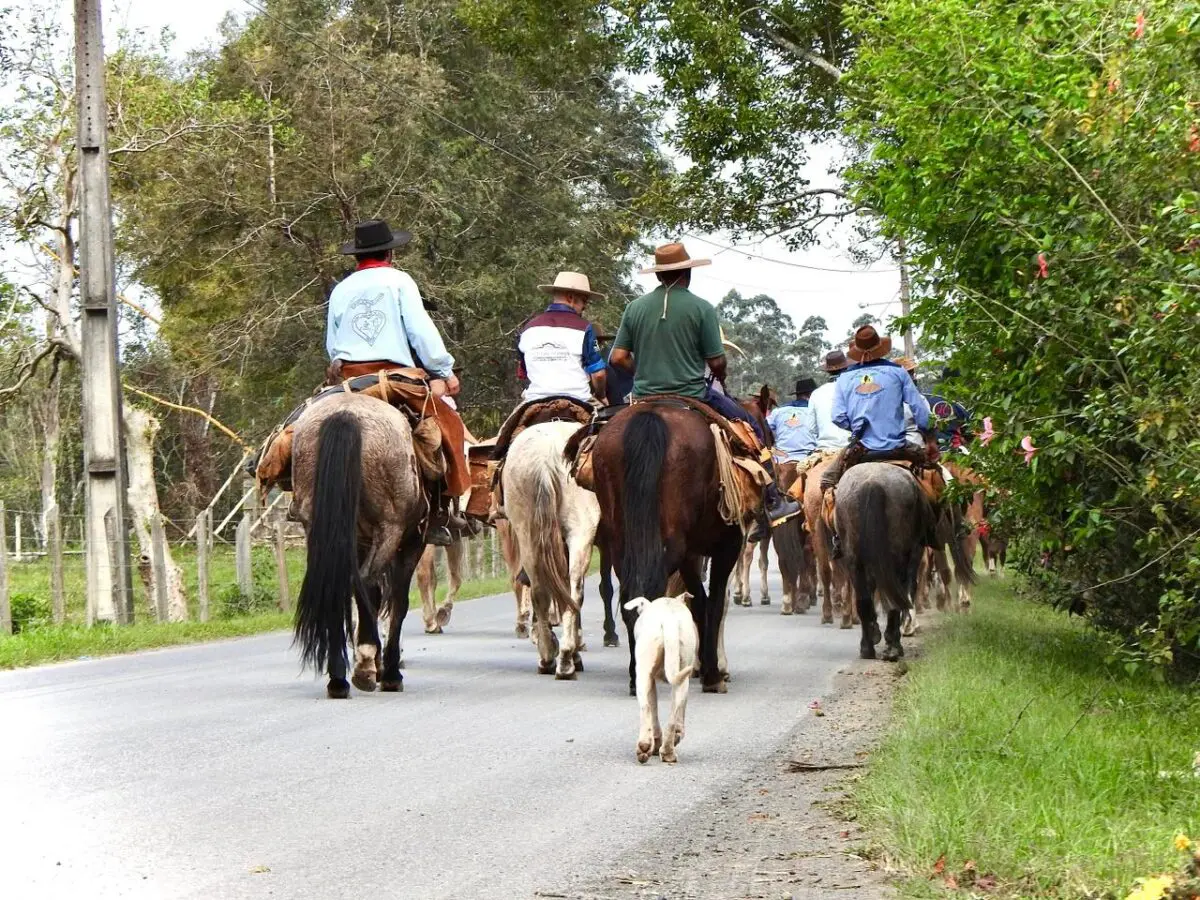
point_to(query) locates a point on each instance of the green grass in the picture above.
(1015, 746)
(48, 643)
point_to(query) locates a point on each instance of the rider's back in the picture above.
(670, 349)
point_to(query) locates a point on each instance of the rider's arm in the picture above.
(621, 357)
(841, 415)
(718, 365)
(422, 334)
(916, 402)
(593, 363)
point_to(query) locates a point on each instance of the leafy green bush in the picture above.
(1041, 158)
(233, 602)
(28, 610)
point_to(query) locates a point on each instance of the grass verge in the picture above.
(1020, 764)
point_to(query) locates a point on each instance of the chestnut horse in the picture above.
(759, 408)
(656, 479)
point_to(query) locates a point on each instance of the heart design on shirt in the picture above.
(368, 324)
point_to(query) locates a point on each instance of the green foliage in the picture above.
(1015, 747)
(232, 601)
(28, 610)
(1041, 157)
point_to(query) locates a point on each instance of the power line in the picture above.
(788, 262)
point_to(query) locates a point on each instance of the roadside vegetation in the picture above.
(1023, 762)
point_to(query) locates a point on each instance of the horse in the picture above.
(358, 493)
(957, 529)
(834, 587)
(885, 522)
(438, 617)
(759, 408)
(656, 476)
(554, 522)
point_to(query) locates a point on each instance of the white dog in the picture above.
(666, 641)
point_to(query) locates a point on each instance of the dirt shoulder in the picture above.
(777, 833)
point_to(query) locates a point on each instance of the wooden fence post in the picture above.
(55, 547)
(158, 564)
(5, 609)
(285, 593)
(245, 575)
(203, 526)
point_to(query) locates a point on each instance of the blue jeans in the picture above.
(731, 409)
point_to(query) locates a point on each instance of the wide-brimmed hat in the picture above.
(835, 361)
(730, 345)
(672, 257)
(571, 283)
(805, 386)
(374, 236)
(868, 345)
(907, 363)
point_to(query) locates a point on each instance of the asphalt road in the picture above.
(222, 771)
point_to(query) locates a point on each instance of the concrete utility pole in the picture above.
(103, 450)
(905, 297)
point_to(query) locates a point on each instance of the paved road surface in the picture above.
(220, 771)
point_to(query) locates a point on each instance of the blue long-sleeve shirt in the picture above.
(794, 427)
(869, 401)
(376, 313)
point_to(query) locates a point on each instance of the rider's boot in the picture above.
(777, 509)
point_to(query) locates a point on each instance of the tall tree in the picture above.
(774, 352)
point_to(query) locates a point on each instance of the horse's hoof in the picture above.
(391, 687)
(546, 668)
(433, 629)
(443, 616)
(611, 640)
(578, 663)
(867, 652)
(892, 654)
(643, 752)
(826, 620)
(364, 682)
(669, 757)
(566, 676)
(719, 688)
(785, 610)
(846, 625)
(765, 601)
(337, 690)
(522, 630)
(632, 691)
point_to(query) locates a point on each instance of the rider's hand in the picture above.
(452, 386)
(932, 452)
(437, 387)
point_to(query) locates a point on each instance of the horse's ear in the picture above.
(686, 597)
(638, 603)
(764, 397)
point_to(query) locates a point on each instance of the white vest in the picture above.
(554, 362)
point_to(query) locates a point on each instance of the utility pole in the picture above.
(905, 296)
(107, 541)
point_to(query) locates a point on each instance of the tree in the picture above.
(773, 351)
(1044, 157)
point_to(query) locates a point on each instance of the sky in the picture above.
(840, 296)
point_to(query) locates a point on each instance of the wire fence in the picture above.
(249, 562)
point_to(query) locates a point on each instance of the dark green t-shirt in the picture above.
(669, 352)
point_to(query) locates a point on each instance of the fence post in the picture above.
(158, 565)
(203, 525)
(55, 546)
(245, 577)
(285, 593)
(5, 609)
(493, 542)
(18, 555)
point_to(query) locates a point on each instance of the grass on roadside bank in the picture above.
(48, 643)
(1016, 753)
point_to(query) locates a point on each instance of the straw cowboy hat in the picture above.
(835, 361)
(571, 283)
(672, 257)
(730, 345)
(375, 236)
(868, 345)
(908, 364)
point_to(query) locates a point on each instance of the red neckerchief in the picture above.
(371, 264)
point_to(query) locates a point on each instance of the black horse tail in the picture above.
(964, 567)
(323, 608)
(643, 565)
(874, 552)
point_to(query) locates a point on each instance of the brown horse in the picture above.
(656, 479)
(358, 494)
(759, 408)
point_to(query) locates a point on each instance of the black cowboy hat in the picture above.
(375, 236)
(805, 386)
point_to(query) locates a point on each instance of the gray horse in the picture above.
(885, 522)
(358, 494)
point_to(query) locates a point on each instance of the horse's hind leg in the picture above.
(864, 592)
(399, 580)
(367, 651)
(454, 573)
(893, 651)
(427, 588)
(763, 564)
(713, 605)
(579, 557)
(611, 639)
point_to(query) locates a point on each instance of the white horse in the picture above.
(554, 523)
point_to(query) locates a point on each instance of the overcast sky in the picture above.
(801, 292)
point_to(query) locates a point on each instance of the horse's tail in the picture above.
(323, 608)
(873, 550)
(643, 564)
(551, 569)
(964, 567)
(673, 667)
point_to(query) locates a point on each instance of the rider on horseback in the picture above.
(794, 424)
(377, 321)
(557, 349)
(671, 334)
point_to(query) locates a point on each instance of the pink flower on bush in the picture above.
(1027, 446)
(1139, 27)
(987, 435)
(1194, 139)
(1043, 266)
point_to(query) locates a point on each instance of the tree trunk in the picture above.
(51, 416)
(141, 428)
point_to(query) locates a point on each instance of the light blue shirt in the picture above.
(794, 427)
(869, 400)
(376, 313)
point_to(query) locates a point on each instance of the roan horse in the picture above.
(885, 522)
(656, 477)
(358, 493)
(554, 523)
